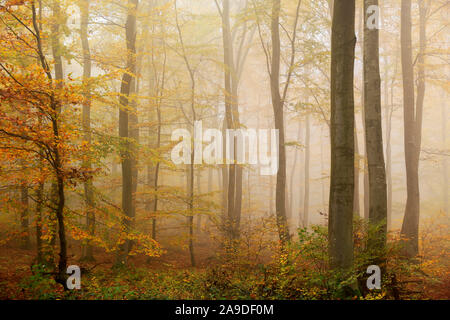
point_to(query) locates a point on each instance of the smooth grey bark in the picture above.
(374, 133)
(291, 183)
(412, 113)
(389, 108)
(278, 104)
(340, 228)
(301, 177)
(234, 64)
(307, 170)
(445, 195)
(124, 130)
(87, 253)
(356, 207)
(55, 39)
(232, 223)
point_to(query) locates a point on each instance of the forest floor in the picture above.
(171, 277)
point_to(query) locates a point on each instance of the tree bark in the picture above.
(412, 123)
(88, 185)
(124, 130)
(374, 133)
(307, 170)
(340, 229)
(278, 104)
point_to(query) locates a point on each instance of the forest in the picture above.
(224, 149)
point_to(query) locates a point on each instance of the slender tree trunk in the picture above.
(301, 177)
(445, 195)
(374, 133)
(232, 223)
(199, 192)
(322, 169)
(57, 163)
(55, 40)
(340, 229)
(277, 103)
(356, 208)
(291, 183)
(307, 170)
(364, 157)
(124, 131)
(39, 206)
(88, 185)
(412, 123)
(389, 105)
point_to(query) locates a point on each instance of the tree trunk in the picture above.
(277, 103)
(340, 229)
(374, 133)
(356, 207)
(88, 185)
(307, 161)
(291, 183)
(412, 123)
(445, 195)
(124, 131)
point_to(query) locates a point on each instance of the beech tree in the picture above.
(340, 229)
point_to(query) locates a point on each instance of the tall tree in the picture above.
(340, 229)
(445, 188)
(307, 170)
(124, 130)
(234, 61)
(373, 129)
(87, 137)
(273, 61)
(412, 113)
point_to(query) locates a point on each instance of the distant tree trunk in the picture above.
(356, 208)
(134, 141)
(412, 123)
(278, 103)
(322, 169)
(291, 183)
(364, 156)
(39, 206)
(301, 177)
(40, 186)
(307, 169)
(55, 42)
(374, 133)
(230, 123)
(199, 192)
(124, 131)
(445, 188)
(389, 105)
(88, 185)
(157, 169)
(340, 229)
(152, 86)
(24, 223)
(190, 167)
